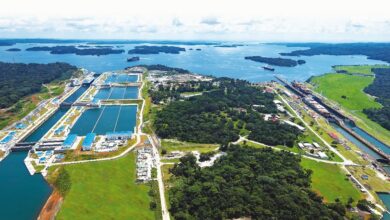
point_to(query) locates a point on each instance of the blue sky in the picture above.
(243, 20)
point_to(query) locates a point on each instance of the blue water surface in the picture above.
(210, 60)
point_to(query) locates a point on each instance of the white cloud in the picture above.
(210, 21)
(260, 20)
(176, 22)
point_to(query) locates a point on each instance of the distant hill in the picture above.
(6, 43)
(156, 49)
(375, 51)
(74, 50)
(13, 50)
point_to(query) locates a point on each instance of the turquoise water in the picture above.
(72, 98)
(106, 119)
(210, 60)
(121, 78)
(44, 128)
(129, 92)
(21, 195)
(371, 139)
(356, 142)
(385, 197)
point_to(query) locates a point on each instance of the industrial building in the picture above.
(144, 164)
(7, 138)
(69, 141)
(88, 141)
(316, 106)
(119, 135)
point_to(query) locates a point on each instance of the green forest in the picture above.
(220, 115)
(278, 61)
(380, 88)
(375, 51)
(98, 51)
(18, 80)
(247, 182)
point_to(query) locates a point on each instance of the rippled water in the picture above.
(210, 60)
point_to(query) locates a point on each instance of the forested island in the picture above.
(380, 88)
(74, 50)
(226, 108)
(6, 43)
(375, 51)
(156, 49)
(229, 45)
(276, 61)
(18, 80)
(163, 68)
(247, 183)
(13, 50)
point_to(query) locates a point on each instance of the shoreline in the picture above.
(51, 206)
(54, 202)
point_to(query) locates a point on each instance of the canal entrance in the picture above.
(22, 195)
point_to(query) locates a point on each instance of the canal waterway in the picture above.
(362, 146)
(72, 98)
(106, 119)
(22, 195)
(380, 145)
(121, 78)
(128, 92)
(385, 197)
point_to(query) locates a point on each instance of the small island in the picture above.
(13, 50)
(6, 43)
(77, 51)
(229, 45)
(276, 61)
(374, 51)
(156, 50)
(132, 59)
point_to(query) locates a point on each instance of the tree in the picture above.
(63, 182)
(247, 182)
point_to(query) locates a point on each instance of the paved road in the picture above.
(370, 197)
(164, 210)
(305, 156)
(349, 162)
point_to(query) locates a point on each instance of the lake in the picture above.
(210, 60)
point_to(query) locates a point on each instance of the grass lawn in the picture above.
(334, 86)
(330, 181)
(27, 104)
(294, 149)
(360, 69)
(373, 182)
(174, 145)
(166, 175)
(106, 190)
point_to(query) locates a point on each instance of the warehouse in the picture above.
(88, 141)
(69, 141)
(118, 135)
